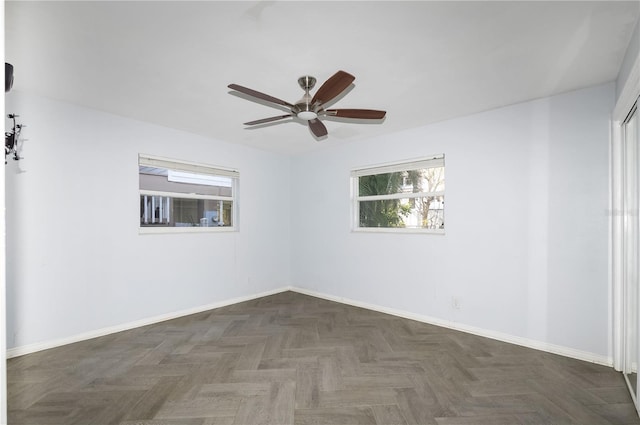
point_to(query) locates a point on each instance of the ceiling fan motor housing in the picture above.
(305, 111)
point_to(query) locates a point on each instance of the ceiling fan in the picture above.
(309, 108)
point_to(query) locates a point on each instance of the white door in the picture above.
(631, 249)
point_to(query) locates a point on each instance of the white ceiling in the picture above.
(169, 63)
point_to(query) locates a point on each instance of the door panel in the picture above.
(631, 232)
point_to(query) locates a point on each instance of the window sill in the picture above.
(398, 230)
(169, 230)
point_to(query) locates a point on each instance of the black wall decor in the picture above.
(8, 77)
(11, 139)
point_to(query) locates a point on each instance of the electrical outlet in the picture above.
(455, 303)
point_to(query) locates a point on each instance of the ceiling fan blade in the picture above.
(333, 87)
(366, 114)
(259, 95)
(266, 120)
(317, 128)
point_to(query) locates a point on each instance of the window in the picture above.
(407, 196)
(178, 196)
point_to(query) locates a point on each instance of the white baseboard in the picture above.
(32, 348)
(499, 336)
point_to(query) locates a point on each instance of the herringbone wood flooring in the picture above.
(295, 359)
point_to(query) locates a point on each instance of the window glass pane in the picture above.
(167, 180)
(166, 211)
(380, 184)
(411, 213)
(409, 181)
(433, 179)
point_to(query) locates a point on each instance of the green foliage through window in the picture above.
(382, 212)
(409, 195)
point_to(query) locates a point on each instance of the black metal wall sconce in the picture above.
(12, 143)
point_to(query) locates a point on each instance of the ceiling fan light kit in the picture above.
(307, 115)
(310, 108)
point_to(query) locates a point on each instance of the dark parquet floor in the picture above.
(295, 359)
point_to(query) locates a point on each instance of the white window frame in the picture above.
(194, 167)
(431, 161)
